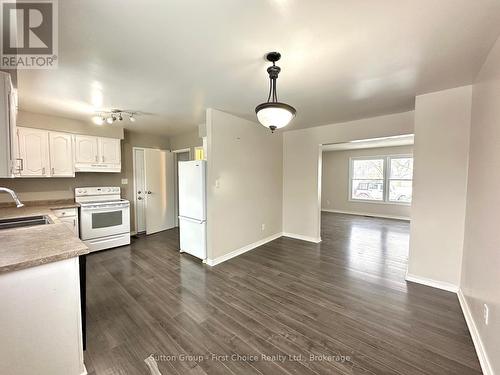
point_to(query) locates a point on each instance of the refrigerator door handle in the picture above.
(191, 220)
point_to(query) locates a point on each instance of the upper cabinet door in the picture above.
(109, 151)
(61, 154)
(86, 149)
(33, 151)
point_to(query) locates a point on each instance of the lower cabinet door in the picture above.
(71, 223)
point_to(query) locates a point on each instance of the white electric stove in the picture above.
(104, 217)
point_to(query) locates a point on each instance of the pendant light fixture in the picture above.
(274, 114)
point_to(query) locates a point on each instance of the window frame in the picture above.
(386, 180)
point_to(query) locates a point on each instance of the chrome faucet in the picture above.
(13, 195)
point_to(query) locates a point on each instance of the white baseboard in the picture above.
(303, 238)
(244, 249)
(478, 343)
(367, 214)
(433, 283)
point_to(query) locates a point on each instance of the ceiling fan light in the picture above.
(98, 120)
(275, 115)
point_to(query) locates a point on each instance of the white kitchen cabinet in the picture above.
(97, 154)
(71, 223)
(40, 320)
(109, 151)
(33, 152)
(69, 216)
(86, 150)
(61, 155)
(9, 166)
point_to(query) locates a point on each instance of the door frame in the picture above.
(176, 181)
(135, 185)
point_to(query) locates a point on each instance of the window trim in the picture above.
(386, 179)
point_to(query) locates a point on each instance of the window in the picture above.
(400, 179)
(381, 179)
(367, 182)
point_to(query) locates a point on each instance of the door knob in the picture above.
(149, 192)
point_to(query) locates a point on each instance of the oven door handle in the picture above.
(103, 209)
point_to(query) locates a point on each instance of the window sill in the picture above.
(379, 202)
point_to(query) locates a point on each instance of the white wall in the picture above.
(246, 160)
(335, 184)
(189, 140)
(441, 152)
(302, 165)
(481, 259)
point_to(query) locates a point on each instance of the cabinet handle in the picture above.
(74, 223)
(102, 158)
(43, 170)
(53, 171)
(21, 166)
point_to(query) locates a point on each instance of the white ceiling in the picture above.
(399, 140)
(342, 60)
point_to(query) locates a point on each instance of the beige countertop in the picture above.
(32, 246)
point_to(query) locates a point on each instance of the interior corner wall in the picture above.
(335, 184)
(185, 140)
(301, 165)
(481, 259)
(244, 183)
(441, 154)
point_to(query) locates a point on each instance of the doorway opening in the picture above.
(179, 155)
(365, 187)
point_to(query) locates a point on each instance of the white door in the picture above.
(139, 190)
(109, 151)
(192, 189)
(33, 151)
(159, 191)
(86, 149)
(61, 154)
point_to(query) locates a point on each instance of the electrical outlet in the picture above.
(263, 227)
(486, 313)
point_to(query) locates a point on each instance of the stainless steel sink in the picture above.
(28, 221)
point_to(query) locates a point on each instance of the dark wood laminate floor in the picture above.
(339, 307)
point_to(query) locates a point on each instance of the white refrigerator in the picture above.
(192, 208)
